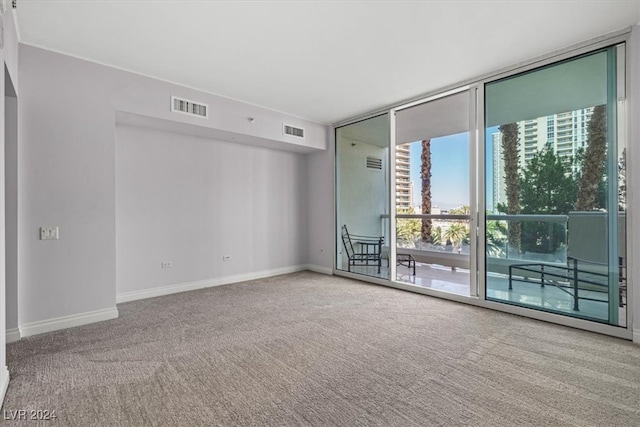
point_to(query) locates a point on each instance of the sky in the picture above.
(449, 171)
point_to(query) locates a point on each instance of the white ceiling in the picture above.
(321, 60)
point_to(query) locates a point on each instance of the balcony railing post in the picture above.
(575, 284)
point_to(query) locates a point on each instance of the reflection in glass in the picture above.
(551, 153)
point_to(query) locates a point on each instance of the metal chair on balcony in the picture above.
(362, 250)
(407, 260)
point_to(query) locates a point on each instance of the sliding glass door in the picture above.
(509, 191)
(555, 199)
(433, 183)
(362, 197)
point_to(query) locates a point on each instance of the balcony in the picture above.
(523, 272)
(449, 245)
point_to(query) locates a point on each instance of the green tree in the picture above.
(462, 210)
(408, 229)
(548, 186)
(496, 232)
(425, 175)
(456, 233)
(622, 181)
(510, 152)
(592, 171)
(436, 235)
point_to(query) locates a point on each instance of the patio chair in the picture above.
(362, 250)
(407, 260)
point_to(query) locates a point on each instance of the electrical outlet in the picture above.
(166, 264)
(226, 257)
(49, 233)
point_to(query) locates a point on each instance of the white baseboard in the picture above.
(4, 383)
(12, 335)
(192, 286)
(636, 337)
(64, 322)
(320, 269)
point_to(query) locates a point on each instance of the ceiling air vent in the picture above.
(185, 106)
(293, 131)
(374, 163)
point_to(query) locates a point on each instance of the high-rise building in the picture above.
(404, 186)
(566, 133)
(499, 185)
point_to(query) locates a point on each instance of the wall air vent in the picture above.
(374, 163)
(184, 106)
(293, 131)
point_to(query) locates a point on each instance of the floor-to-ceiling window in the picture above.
(510, 190)
(362, 197)
(433, 173)
(554, 189)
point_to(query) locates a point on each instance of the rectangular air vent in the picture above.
(374, 163)
(293, 131)
(184, 106)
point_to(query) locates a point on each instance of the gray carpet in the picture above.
(308, 349)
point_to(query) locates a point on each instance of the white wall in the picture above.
(67, 177)
(11, 209)
(320, 208)
(361, 191)
(8, 59)
(190, 200)
(633, 174)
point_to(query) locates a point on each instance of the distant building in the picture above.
(499, 186)
(565, 132)
(404, 185)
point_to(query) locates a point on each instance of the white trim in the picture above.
(191, 286)
(636, 337)
(320, 269)
(70, 321)
(392, 201)
(12, 335)
(435, 97)
(4, 383)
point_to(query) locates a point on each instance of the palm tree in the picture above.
(408, 229)
(436, 235)
(462, 210)
(594, 159)
(425, 175)
(510, 143)
(496, 238)
(457, 232)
